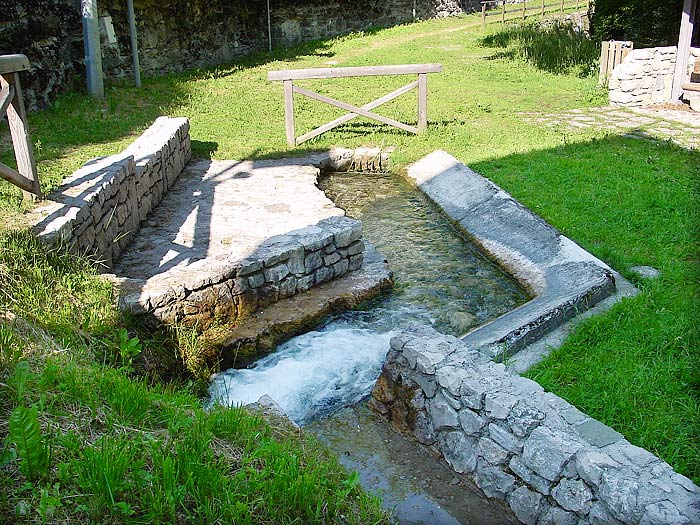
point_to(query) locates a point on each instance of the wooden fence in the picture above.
(501, 10)
(612, 53)
(289, 76)
(12, 105)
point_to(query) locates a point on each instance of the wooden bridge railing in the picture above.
(526, 8)
(289, 76)
(11, 103)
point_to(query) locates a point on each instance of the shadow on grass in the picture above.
(558, 48)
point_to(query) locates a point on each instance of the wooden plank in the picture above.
(6, 98)
(603, 74)
(13, 64)
(362, 71)
(346, 118)
(17, 119)
(355, 109)
(289, 112)
(503, 13)
(422, 102)
(483, 15)
(16, 178)
(542, 7)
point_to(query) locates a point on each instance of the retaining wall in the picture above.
(98, 209)
(646, 76)
(175, 35)
(550, 462)
(280, 267)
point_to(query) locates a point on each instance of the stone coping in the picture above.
(550, 462)
(563, 277)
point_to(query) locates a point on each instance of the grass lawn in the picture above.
(627, 201)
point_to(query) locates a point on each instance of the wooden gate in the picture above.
(612, 53)
(289, 76)
(11, 103)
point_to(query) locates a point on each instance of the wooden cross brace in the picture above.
(421, 84)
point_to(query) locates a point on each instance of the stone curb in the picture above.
(564, 278)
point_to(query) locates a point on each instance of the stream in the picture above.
(440, 280)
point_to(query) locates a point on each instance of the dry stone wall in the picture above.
(98, 210)
(280, 267)
(175, 35)
(646, 76)
(550, 462)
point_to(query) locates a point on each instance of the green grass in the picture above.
(627, 201)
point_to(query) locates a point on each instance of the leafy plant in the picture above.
(32, 449)
(129, 347)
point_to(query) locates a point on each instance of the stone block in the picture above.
(546, 451)
(423, 429)
(504, 438)
(597, 434)
(663, 513)
(331, 259)
(471, 422)
(526, 505)
(523, 418)
(493, 481)
(444, 417)
(599, 515)
(304, 283)
(341, 267)
(355, 248)
(288, 287)
(355, 262)
(618, 492)
(557, 516)
(499, 404)
(296, 262)
(322, 275)
(575, 496)
(540, 484)
(313, 261)
(275, 274)
(460, 451)
(256, 280)
(492, 452)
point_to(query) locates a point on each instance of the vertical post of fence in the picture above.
(604, 50)
(483, 16)
(422, 101)
(577, 5)
(562, 6)
(289, 112)
(503, 12)
(21, 141)
(524, 1)
(542, 7)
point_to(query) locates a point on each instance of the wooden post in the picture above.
(562, 6)
(542, 7)
(289, 112)
(684, 39)
(524, 1)
(603, 74)
(21, 141)
(483, 16)
(422, 101)
(503, 12)
(93, 52)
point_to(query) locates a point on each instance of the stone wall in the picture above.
(174, 35)
(98, 209)
(280, 267)
(646, 76)
(551, 463)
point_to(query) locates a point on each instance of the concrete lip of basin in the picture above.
(564, 279)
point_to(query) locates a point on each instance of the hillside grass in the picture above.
(66, 351)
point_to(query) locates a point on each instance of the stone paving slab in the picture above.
(680, 126)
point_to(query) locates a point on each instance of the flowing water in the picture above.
(441, 280)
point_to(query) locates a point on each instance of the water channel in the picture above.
(440, 280)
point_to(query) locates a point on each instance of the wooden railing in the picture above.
(289, 76)
(612, 54)
(500, 9)
(11, 104)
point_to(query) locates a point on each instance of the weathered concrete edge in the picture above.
(260, 334)
(564, 278)
(363, 160)
(549, 461)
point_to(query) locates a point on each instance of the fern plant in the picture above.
(31, 447)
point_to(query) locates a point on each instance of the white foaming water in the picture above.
(311, 375)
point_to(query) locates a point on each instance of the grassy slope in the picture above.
(627, 201)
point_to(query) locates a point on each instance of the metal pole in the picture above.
(134, 44)
(269, 28)
(93, 54)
